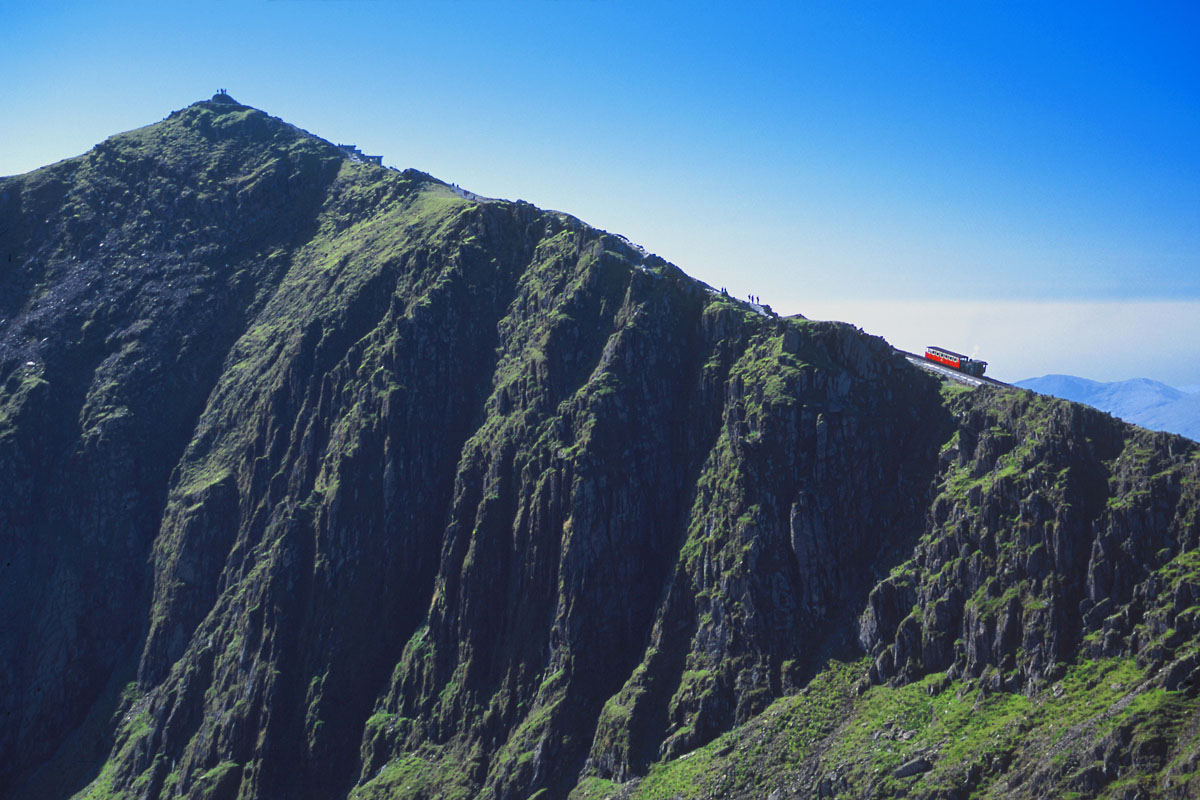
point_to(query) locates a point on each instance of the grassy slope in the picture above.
(977, 742)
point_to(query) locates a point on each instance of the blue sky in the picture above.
(1026, 168)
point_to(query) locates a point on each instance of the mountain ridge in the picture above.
(328, 481)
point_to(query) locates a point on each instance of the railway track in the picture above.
(948, 372)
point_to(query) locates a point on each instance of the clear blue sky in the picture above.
(896, 155)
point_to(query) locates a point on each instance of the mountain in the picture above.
(1125, 399)
(1141, 401)
(326, 480)
(1181, 416)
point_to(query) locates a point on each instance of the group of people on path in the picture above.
(753, 298)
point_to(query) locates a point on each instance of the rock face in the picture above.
(1052, 522)
(322, 480)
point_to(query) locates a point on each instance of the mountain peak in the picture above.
(223, 97)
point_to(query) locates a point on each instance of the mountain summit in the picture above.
(326, 480)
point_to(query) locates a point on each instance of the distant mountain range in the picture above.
(1141, 401)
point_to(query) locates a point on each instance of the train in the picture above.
(958, 361)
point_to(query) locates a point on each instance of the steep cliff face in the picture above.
(1052, 524)
(127, 275)
(1037, 640)
(323, 480)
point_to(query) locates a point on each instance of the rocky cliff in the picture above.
(323, 480)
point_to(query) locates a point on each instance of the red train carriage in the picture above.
(957, 360)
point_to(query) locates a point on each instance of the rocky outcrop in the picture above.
(1052, 533)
